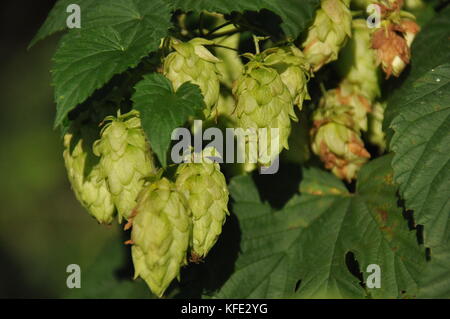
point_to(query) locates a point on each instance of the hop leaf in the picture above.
(206, 190)
(83, 170)
(160, 235)
(125, 160)
(328, 33)
(192, 62)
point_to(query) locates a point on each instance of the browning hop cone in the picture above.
(125, 159)
(83, 170)
(392, 41)
(328, 33)
(160, 235)
(205, 188)
(192, 62)
(336, 136)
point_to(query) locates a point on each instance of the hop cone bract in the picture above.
(160, 235)
(293, 68)
(375, 132)
(206, 190)
(125, 159)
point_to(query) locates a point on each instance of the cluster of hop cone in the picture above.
(178, 219)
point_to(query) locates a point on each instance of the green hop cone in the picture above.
(293, 68)
(84, 174)
(375, 133)
(160, 235)
(125, 159)
(206, 190)
(357, 63)
(192, 62)
(328, 33)
(263, 102)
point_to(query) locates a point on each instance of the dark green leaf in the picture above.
(421, 143)
(306, 243)
(296, 14)
(163, 110)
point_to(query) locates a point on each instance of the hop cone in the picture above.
(263, 102)
(392, 41)
(191, 61)
(358, 61)
(84, 174)
(125, 160)
(206, 191)
(328, 33)
(160, 235)
(293, 68)
(375, 132)
(335, 140)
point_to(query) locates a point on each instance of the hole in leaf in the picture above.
(297, 285)
(353, 266)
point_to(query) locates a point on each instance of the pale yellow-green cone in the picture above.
(340, 149)
(192, 62)
(375, 133)
(125, 159)
(160, 235)
(83, 171)
(357, 62)
(328, 33)
(231, 65)
(205, 188)
(263, 102)
(293, 68)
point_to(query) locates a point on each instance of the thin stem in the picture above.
(219, 27)
(222, 34)
(224, 46)
(256, 42)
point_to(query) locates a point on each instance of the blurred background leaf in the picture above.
(42, 227)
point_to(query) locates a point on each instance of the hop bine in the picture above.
(125, 160)
(206, 190)
(84, 173)
(191, 61)
(328, 33)
(160, 235)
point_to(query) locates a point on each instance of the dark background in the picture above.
(42, 227)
